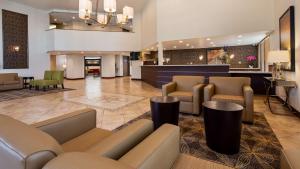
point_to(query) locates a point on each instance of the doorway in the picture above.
(92, 66)
(126, 66)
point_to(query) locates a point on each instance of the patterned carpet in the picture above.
(260, 149)
(24, 93)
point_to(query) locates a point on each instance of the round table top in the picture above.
(164, 99)
(223, 106)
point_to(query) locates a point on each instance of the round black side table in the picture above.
(223, 125)
(164, 110)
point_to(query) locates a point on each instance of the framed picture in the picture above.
(287, 36)
(213, 56)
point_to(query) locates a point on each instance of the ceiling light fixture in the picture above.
(110, 8)
(180, 41)
(208, 39)
(187, 44)
(174, 47)
(211, 43)
(240, 36)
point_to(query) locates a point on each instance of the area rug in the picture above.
(107, 101)
(24, 93)
(260, 149)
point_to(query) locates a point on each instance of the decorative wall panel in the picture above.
(15, 40)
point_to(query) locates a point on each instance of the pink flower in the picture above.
(250, 58)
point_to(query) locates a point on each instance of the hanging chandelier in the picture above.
(106, 18)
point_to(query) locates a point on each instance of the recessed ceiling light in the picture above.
(238, 43)
(165, 48)
(174, 47)
(73, 17)
(212, 43)
(152, 48)
(187, 44)
(208, 39)
(147, 49)
(240, 36)
(180, 41)
(192, 47)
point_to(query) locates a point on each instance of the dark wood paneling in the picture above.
(15, 34)
(160, 75)
(257, 81)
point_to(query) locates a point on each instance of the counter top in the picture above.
(250, 72)
(187, 65)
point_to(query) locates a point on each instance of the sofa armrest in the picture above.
(78, 160)
(66, 127)
(209, 91)
(168, 88)
(198, 97)
(120, 142)
(248, 96)
(159, 150)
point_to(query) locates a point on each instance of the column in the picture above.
(160, 49)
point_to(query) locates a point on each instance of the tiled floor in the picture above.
(134, 97)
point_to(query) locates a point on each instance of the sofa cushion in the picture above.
(229, 98)
(8, 77)
(23, 146)
(85, 141)
(77, 160)
(230, 85)
(10, 82)
(186, 83)
(183, 96)
(119, 143)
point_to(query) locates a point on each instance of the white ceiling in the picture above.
(211, 42)
(73, 4)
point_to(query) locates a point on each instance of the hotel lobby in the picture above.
(149, 84)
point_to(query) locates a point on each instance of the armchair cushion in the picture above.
(183, 96)
(229, 85)
(229, 98)
(86, 141)
(186, 83)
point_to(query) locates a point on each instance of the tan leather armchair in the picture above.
(189, 90)
(31, 147)
(232, 89)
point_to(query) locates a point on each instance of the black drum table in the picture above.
(223, 125)
(164, 110)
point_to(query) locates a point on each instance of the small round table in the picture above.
(223, 125)
(164, 110)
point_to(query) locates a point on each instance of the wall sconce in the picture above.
(167, 60)
(16, 48)
(231, 56)
(201, 57)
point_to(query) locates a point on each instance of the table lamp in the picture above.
(277, 58)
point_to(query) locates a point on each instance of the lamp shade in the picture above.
(101, 18)
(279, 56)
(128, 12)
(110, 5)
(120, 19)
(85, 9)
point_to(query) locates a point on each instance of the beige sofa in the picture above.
(73, 141)
(290, 159)
(232, 89)
(189, 90)
(10, 81)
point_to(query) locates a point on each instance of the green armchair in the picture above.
(51, 78)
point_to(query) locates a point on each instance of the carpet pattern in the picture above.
(24, 93)
(260, 149)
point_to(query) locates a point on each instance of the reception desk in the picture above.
(160, 75)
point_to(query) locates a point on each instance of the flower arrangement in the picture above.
(251, 59)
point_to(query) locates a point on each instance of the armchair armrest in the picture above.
(168, 88)
(209, 91)
(198, 97)
(248, 96)
(69, 126)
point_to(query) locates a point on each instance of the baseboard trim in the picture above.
(136, 79)
(74, 78)
(108, 77)
(295, 111)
